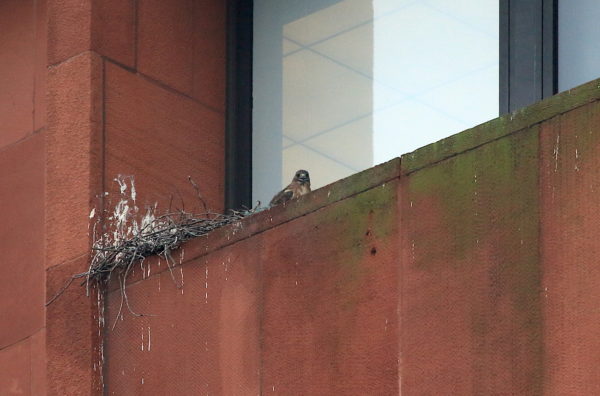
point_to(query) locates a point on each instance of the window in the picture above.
(579, 44)
(341, 85)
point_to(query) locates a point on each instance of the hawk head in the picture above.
(302, 177)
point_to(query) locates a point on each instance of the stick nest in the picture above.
(128, 238)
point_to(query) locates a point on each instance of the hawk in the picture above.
(300, 185)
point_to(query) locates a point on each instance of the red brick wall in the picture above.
(299, 300)
(90, 90)
(467, 269)
(22, 129)
(134, 88)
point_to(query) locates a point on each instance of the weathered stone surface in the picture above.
(470, 302)
(17, 69)
(330, 279)
(21, 239)
(73, 330)
(209, 61)
(15, 378)
(201, 338)
(69, 29)
(161, 138)
(114, 30)
(502, 126)
(74, 155)
(570, 230)
(165, 48)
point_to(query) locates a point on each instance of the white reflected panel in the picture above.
(578, 42)
(341, 86)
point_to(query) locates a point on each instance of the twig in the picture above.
(193, 183)
(62, 290)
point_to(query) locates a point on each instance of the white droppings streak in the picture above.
(92, 213)
(206, 285)
(227, 267)
(149, 340)
(181, 271)
(142, 338)
(122, 184)
(556, 153)
(133, 193)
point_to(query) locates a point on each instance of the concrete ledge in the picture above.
(500, 127)
(267, 219)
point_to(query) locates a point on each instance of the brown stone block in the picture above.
(69, 28)
(104, 26)
(22, 239)
(165, 49)
(15, 368)
(41, 61)
(38, 363)
(202, 338)
(330, 324)
(570, 230)
(209, 60)
(16, 70)
(471, 310)
(74, 155)
(161, 137)
(113, 30)
(72, 333)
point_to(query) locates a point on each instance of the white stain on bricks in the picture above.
(146, 339)
(556, 147)
(181, 284)
(206, 285)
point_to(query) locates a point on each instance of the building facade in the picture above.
(464, 267)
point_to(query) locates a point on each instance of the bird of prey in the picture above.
(300, 185)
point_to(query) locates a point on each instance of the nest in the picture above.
(129, 238)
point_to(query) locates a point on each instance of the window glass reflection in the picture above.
(340, 86)
(578, 42)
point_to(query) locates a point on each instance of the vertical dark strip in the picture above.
(504, 56)
(136, 32)
(238, 120)
(525, 53)
(528, 52)
(550, 48)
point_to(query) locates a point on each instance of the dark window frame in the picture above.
(526, 77)
(238, 118)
